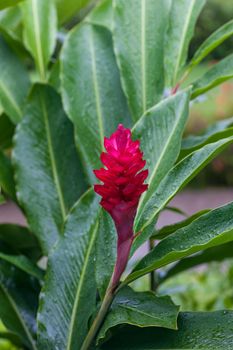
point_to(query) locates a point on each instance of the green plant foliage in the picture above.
(71, 72)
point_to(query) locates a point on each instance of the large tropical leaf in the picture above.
(214, 40)
(106, 249)
(176, 179)
(65, 310)
(44, 149)
(10, 22)
(183, 16)
(14, 83)
(18, 303)
(216, 75)
(142, 309)
(6, 132)
(39, 21)
(91, 90)
(209, 230)
(217, 131)
(196, 330)
(102, 15)
(218, 253)
(160, 132)
(139, 32)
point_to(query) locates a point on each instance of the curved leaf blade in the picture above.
(7, 176)
(196, 330)
(183, 16)
(177, 178)
(64, 312)
(102, 15)
(91, 90)
(12, 95)
(67, 9)
(44, 148)
(142, 309)
(209, 230)
(213, 41)
(216, 75)
(18, 303)
(138, 31)
(40, 24)
(24, 264)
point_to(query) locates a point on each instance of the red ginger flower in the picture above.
(123, 184)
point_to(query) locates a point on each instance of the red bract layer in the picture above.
(123, 183)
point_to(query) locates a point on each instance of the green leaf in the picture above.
(12, 95)
(44, 149)
(216, 75)
(209, 230)
(19, 240)
(106, 248)
(102, 15)
(142, 309)
(64, 312)
(183, 16)
(160, 132)
(68, 8)
(177, 178)
(10, 22)
(167, 230)
(7, 176)
(218, 253)
(213, 41)
(196, 330)
(217, 131)
(24, 264)
(8, 3)
(40, 24)
(138, 32)
(54, 76)
(18, 303)
(91, 90)
(6, 132)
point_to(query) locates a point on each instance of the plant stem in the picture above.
(99, 318)
(153, 282)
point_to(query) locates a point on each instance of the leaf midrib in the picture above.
(79, 289)
(37, 38)
(53, 161)
(181, 46)
(21, 320)
(96, 89)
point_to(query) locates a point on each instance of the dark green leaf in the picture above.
(177, 178)
(213, 41)
(18, 303)
(106, 248)
(18, 240)
(91, 90)
(12, 94)
(6, 132)
(167, 230)
(69, 295)
(142, 309)
(138, 32)
(183, 16)
(218, 253)
(196, 330)
(209, 230)
(214, 132)
(40, 24)
(216, 75)
(44, 150)
(7, 176)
